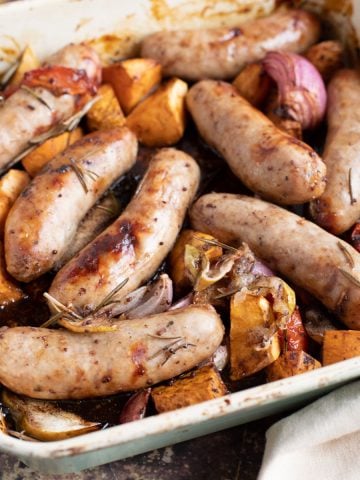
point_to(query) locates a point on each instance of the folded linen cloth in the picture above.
(320, 441)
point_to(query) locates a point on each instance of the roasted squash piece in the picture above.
(40, 156)
(28, 61)
(291, 363)
(254, 342)
(185, 257)
(9, 291)
(106, 113)
(200, 385)
(159, 120)
(11, 185)
(44, 420)
(340, 345)
(132, 80)
(253, 84)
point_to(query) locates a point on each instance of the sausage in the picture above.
(270, 162)
(339, 206)
(24, 116)
(317, 261)
(137, 242)
(221, 53)
(45, 217)
(58, 364)
(96, 220)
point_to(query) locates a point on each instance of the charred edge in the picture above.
(117, 243)
(138, 356)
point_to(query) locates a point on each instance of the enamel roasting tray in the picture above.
(116, 28)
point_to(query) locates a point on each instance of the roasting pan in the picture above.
(115, 28)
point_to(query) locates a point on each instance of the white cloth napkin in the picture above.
(320, 442)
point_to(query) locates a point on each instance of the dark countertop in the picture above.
(233, 454)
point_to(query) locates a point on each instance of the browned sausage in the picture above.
(270, 162)
(58, 364)
(44, 219)
(137, 242)
(326, 266)
(339, 206)
(221, 53)
(24, 115)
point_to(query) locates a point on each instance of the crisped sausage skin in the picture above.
(309, 256)
(58, 364)
(221, 53)
(338, 208)
(23, 116)
(270, 162)
(44, 219)
(137, 242)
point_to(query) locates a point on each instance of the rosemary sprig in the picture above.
(61, 312)
(350, 277)
(166, 347)
(60, 307)
(81, 173)
(109, 299)
(65, 126)
(217, 244)
(171, 348)
(351, 191)
(172, 351)
(35, 95)
(347, 254)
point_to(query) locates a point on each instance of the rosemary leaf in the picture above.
(163, 338)
(347, 254)
(351, 192)
(108, 300)
(72, 122)
(35, 95)
(217, 244)
(80, 174)
(350, 277)
(108, 210)
(52, 320)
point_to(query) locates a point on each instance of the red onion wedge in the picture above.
(135, 407)
(301, 89)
